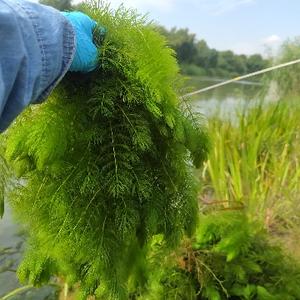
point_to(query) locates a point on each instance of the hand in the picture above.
(85, 59)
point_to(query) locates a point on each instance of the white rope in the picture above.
(243, 77)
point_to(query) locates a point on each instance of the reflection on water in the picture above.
(225, 99)
(9, 243)
(11, 247)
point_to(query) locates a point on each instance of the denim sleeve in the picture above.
(37, 46)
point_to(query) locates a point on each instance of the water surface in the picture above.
(225, 99)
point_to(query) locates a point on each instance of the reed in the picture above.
(254, 162)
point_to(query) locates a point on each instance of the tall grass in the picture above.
(254, 163)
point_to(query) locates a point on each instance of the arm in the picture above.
(36, 49)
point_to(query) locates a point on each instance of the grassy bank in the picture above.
(250, 209)
(254, 163)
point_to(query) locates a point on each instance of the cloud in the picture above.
(247, 48)
(272, 39)
(220, 7)
(272, 44)
(263, 46)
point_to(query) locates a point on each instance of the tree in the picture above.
(226, 60)
(183, 43)
(195, 55)
(202, 57)
(242, 64)
(255, 63)
(58, 4)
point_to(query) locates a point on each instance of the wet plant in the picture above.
(106, 163)
(230, 257)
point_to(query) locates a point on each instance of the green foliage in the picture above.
(231, 258)
(254, 162)
(4, 175)
(252, 168)
(193, 70)
(256, 62)
(2, 188)
(105, 164)
(287, 79)
(174, 284)
(58, 4)
(243, 263)
(195, 55)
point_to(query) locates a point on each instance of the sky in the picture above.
(244, 26)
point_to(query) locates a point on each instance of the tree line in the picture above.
(197, 58)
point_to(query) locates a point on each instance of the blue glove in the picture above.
(86, 55)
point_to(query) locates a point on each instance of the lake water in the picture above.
(225, 99)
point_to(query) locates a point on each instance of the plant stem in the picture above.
(16, 291)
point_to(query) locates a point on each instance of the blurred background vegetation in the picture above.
(196, 58)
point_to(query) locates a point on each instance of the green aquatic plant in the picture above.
(230, 257)
(106, 163)
(240, 262)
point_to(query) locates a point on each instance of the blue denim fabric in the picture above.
(37, 46)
